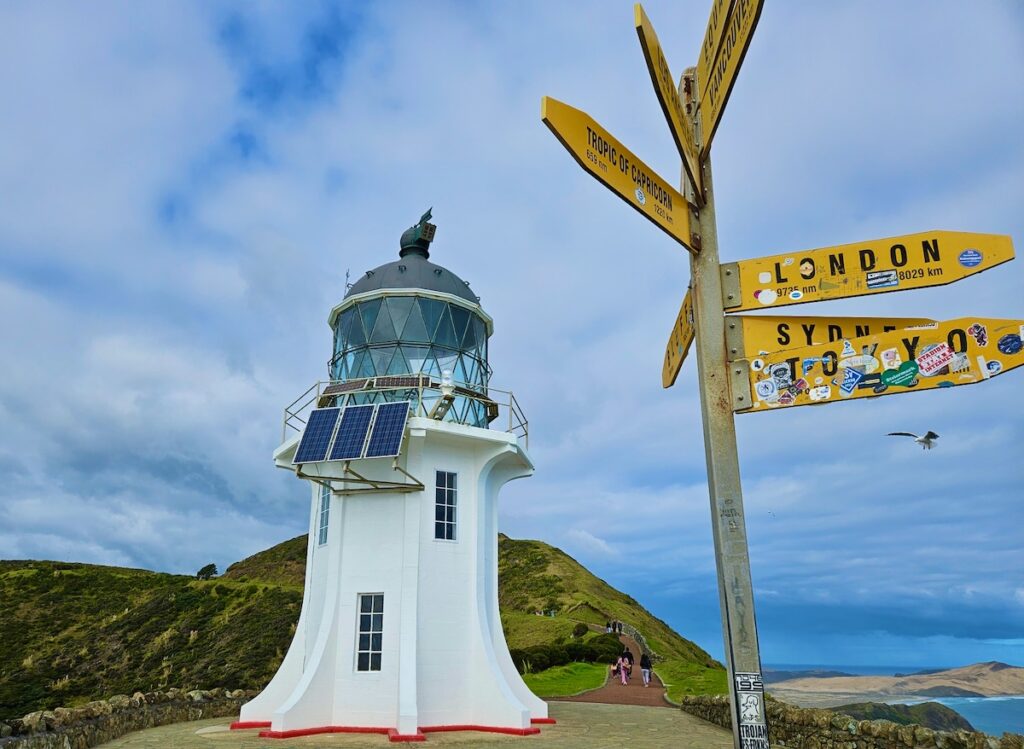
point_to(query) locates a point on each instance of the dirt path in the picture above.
(634, 693)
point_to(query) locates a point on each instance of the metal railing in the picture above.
(500, 405)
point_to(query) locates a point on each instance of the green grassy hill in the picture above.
(76, 632)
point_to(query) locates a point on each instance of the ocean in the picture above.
(993, 715)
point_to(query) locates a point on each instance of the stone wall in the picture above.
(105, 720)
(804, 728)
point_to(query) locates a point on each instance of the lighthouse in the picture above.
(405, 450)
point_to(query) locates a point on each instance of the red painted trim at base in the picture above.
(394, 735)
(484, 729)
(242, 724)
(323, 729)
(543, 721)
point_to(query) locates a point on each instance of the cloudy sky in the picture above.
(183, 188)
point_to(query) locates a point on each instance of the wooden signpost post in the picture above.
(758, 363)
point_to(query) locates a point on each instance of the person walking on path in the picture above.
(623, 667)
(645, 669)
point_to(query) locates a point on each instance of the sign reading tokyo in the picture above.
(622, 172)
(940, 355)
(754, 336)
(912, 261)
(715, 80)
(668, 97)
(679, 341)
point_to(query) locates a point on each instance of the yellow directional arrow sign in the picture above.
(713, 36)
(946, 354)
(716, 72)
(668, 97)
(753, 336)
(911, 261)
(616, 166)
(679, 341)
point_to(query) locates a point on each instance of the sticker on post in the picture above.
(881, 279)
(969, 258)
(750, 702)
(933, 359)
(850, 379)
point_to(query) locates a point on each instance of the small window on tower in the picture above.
(445, 493)
(325, 511)
(370, 637)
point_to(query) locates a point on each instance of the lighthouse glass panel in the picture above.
(371, 632)
(412, 334)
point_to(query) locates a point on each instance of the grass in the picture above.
(524, 630)
(562, 681)
(688, 678)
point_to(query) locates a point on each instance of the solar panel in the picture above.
(348, 445)
(398, 381)
(317, 437)
(388, 430)
(344, 387)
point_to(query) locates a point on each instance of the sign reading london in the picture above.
(622, 172)
(912, 261)
(753, 336)
(679, 341)
(668, 97)
(940, 355)
(716, 71)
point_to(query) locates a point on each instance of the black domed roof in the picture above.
(413, 272)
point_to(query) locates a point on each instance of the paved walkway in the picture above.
(634, 693)
(579, 726)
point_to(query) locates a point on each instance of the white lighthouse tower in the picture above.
(405, 451)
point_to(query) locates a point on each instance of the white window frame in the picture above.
(325, 514)
(446, 496)
(372, 628)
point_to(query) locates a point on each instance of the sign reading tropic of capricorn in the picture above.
(768, 362)
(617, 168)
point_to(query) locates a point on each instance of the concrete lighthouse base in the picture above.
(439, 657)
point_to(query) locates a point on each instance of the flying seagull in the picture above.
(927, 442)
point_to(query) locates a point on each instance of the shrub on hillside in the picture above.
(601, 649)
(580, 629)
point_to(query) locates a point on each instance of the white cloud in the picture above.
(166, 297)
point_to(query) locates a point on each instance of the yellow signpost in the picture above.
(734, 38)
(753, 336)
(940, 355)
(911, 261)
(757, 363)
(615, 165)
(679, 341)
(712, 41)
(668, 97)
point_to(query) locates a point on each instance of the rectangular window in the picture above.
(325, 511)
(371, 631)
(444, 505)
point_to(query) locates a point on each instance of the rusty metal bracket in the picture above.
(739, 385)
(734, 337)
(731, 292)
